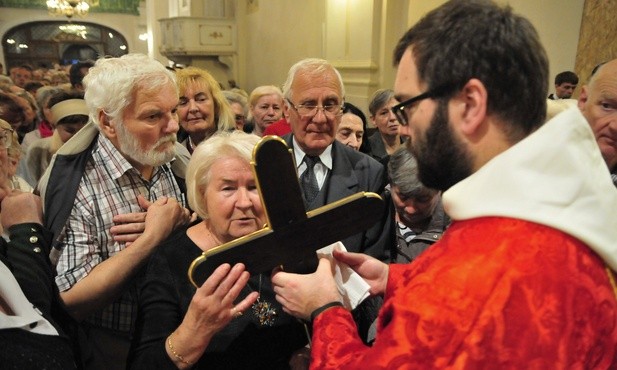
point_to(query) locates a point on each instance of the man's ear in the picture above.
(470, 106)
(583, 97)
(106, 126)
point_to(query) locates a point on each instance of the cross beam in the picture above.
(291, 235)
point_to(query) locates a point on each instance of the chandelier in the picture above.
(68, 8)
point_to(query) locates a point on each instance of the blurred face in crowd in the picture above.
(267, 110)
(13, 114)
(385, 120)
(315, 131)
(29, 113)
(414, 209)
(239, 116)
(21, 77)
(232, 199)
(350, 131)
(598, 103)
(565, 90)
(196, 110)
(147, 133)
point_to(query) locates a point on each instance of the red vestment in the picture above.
(493, 293)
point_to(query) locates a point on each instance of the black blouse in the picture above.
(165, 293)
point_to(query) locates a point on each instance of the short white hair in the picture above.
(312, 67)
(223, 144)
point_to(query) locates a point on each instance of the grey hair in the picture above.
(312, 67)
(223, 144)
(234, 97)
(403, 173)
(379, 99)
(111, 82)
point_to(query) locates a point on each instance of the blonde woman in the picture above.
(203, 109)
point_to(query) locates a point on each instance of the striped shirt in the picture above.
(109, 187)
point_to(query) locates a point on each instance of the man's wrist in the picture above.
(325, 307)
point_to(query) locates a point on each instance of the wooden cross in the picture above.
(291, 235)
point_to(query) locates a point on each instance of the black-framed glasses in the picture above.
(310, 110)
(400, 110)
(6, 138)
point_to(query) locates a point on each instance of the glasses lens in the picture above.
(307, 110)
(332, 108)
(400, 114)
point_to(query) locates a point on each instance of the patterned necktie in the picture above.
(308, 180)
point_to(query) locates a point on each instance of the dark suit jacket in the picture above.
(353, 172)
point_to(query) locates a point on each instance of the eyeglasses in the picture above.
(310, 110)
(6, 138)
(400, 110)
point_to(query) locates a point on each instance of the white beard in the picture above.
(129, 146)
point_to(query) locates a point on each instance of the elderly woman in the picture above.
(352, 128)
(239, 107)
(69, 115)
(386, 139)
(419, 214)
(231, 321)
(203, 109)
(265, 107)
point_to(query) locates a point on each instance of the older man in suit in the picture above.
(328, 170)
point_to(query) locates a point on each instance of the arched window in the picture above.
(41, 44)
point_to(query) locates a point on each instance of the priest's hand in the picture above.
(372, 270)
(300, 295)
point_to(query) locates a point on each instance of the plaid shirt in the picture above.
(109, 186)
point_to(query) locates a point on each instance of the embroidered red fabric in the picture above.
(493, 293)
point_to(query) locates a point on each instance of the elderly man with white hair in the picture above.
(97, 188)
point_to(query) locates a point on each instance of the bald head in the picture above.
(598, 103)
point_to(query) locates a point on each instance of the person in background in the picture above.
(28, 104)
(32, 87)
(98, 189)
(77, 72)
(11, 111)
(239, 107)
(21, 75)
(314, 95)
(203, 109)
(69, 115)
(418, 212)
(387, 138)
(265, 107)
(598, 103)
(14, 152)
(45, 128)
(352, 128)
(565, 84)
(527, 267)
(231, 321)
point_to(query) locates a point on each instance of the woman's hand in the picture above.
(211, 309)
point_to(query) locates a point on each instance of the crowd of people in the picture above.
(497, 247)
